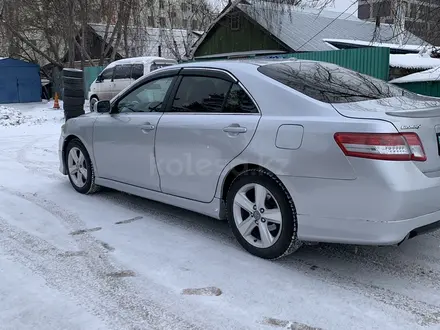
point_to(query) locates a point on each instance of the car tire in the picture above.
(74, 86)
(73, 83)
(254, 232)
(74, 93)
(93, 100)
(73, 101)
(83, 178)
(73, 108)
(73, 73)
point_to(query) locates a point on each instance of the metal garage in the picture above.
(19, 81)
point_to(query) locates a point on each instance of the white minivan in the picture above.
(120, 74)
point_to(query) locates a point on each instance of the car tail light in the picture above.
(384, 146)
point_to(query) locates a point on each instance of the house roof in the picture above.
(304, 29)
(413, 61)
(405, 47)
(428, 75)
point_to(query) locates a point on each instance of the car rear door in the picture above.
(208, 122)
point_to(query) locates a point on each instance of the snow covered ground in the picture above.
(114, 261)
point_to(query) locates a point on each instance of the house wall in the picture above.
(249, 36)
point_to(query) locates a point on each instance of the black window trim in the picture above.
(113, 73)
(120, 65)
(210, 73)
(159, 75)
(132, 67)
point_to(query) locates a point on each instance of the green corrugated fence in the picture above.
(90, 74)
(430, 88)
(373, 61)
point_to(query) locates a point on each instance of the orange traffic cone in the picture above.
(56, 103)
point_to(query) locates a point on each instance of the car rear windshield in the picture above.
(330, 83)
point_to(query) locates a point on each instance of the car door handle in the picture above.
(147, 128)
(235, 129)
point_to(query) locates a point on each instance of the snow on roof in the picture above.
(376, 44)
(427, 75)
(141, 59)
(413, 61)
(304, 30)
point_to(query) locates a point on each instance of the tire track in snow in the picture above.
(86, 277)
(34, 166)
(425, 313)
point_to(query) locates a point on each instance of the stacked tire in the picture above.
(73, 98)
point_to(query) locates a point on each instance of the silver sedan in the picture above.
(287, 151)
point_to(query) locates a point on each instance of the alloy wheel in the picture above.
(257, 215)
(77, 167)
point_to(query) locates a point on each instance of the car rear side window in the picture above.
(201, 94)
(238, 101)
(123, 71)
(137, 71)
(330, 83)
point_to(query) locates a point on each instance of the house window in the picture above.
(184, 7)
(151, 21)
(235, 22)
(405, 9)
(194, 24)
(161, 4)
(413, 11)
(185, 23)
(162, 21)
(173, 14)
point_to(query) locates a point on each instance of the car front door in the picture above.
(104, 84)
(123, 140)
(121, 78)
(209, 120)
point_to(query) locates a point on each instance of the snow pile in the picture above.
(11, 117)
(14, 117)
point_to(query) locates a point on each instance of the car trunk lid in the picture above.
(417, 114)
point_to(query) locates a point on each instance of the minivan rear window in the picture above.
(330, 83)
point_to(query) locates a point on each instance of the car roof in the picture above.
(234, 64)
(141, 59)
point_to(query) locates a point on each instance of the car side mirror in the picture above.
(102, 106)
(99, 79)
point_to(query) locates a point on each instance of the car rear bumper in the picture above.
(350, 231)
(370, 212)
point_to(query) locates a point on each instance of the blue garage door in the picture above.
(28, 90)
(9, 91)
